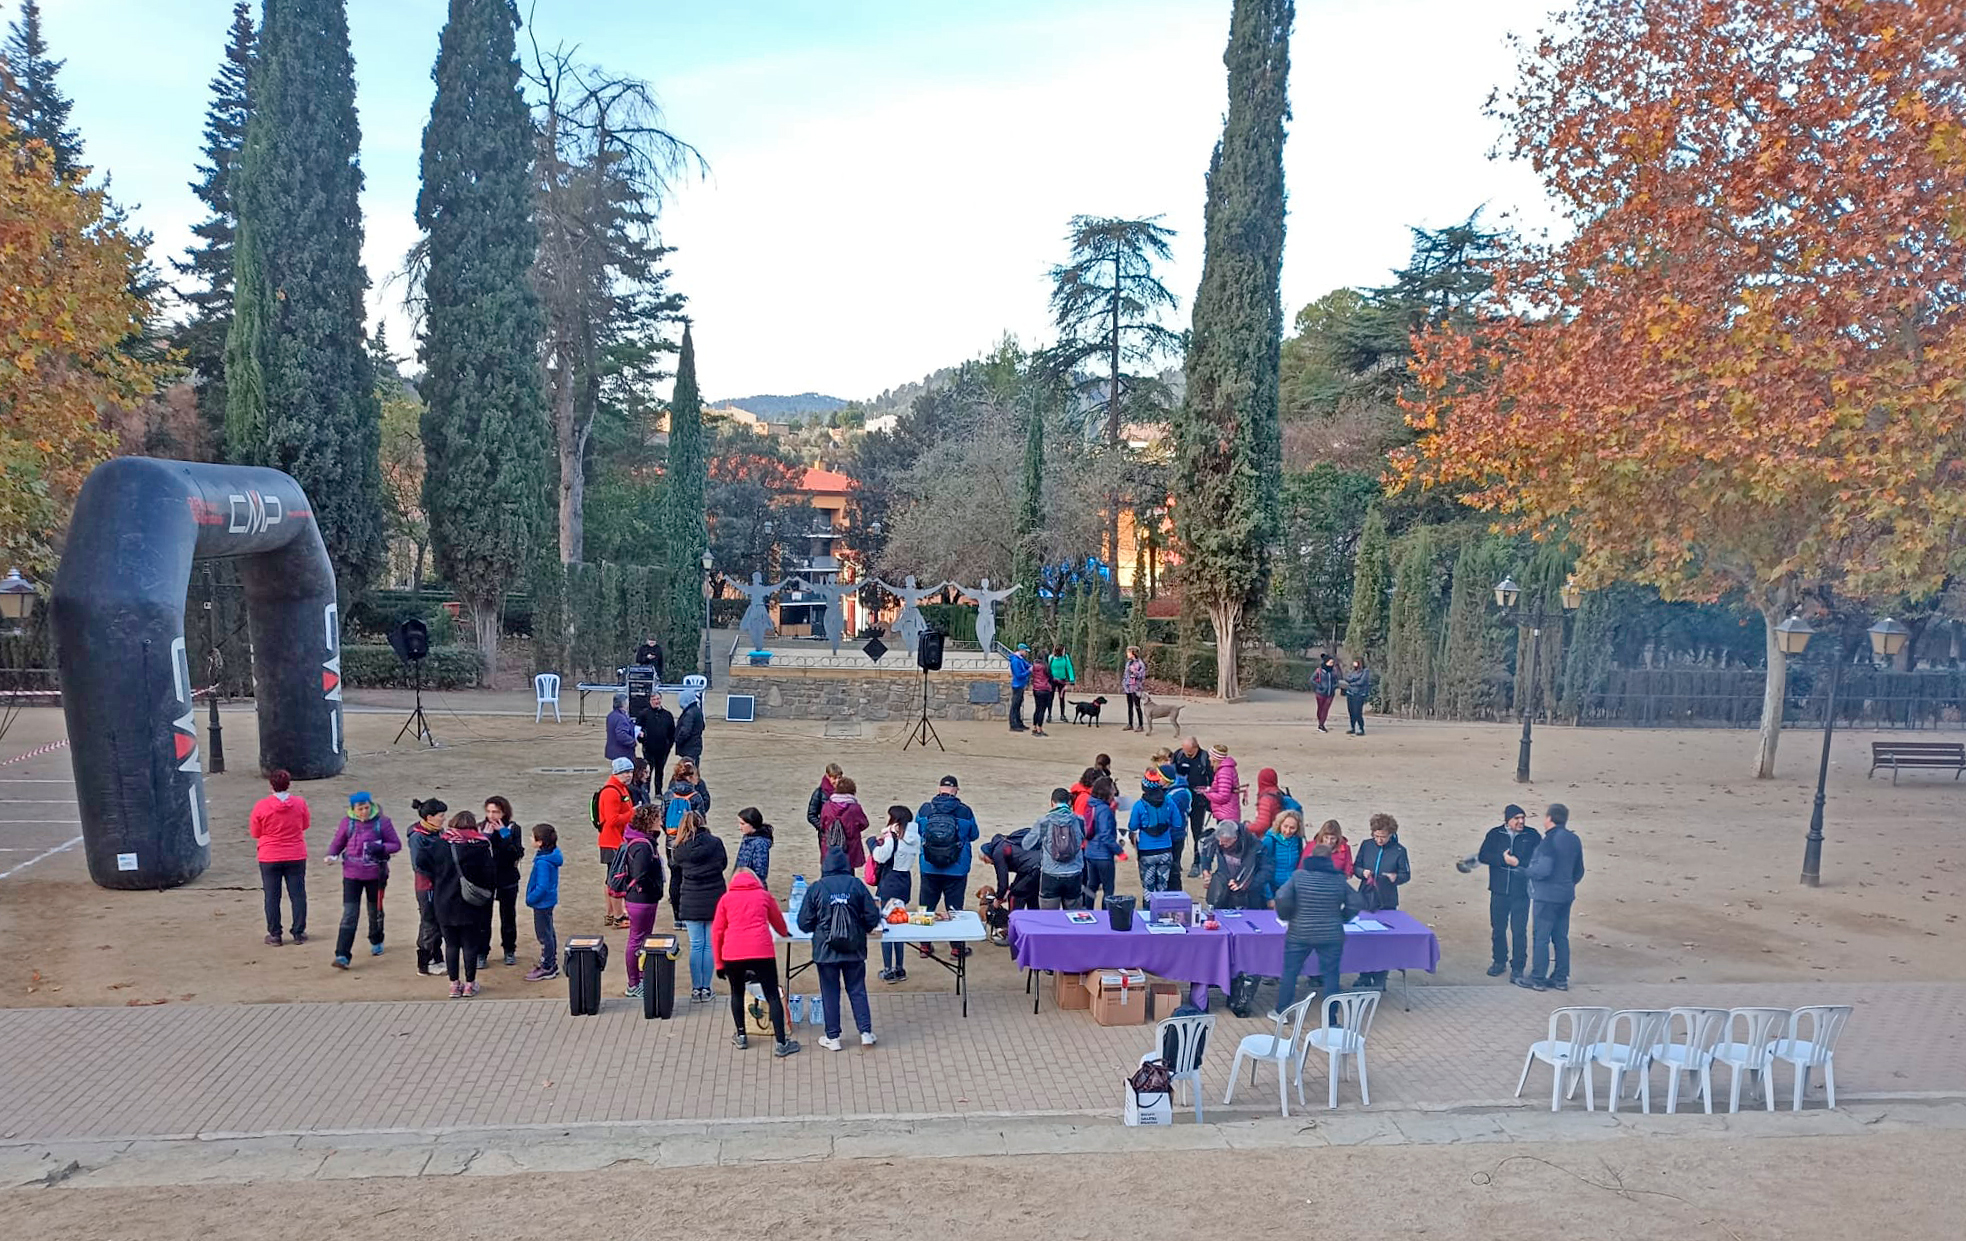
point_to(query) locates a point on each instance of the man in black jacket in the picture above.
(1314, 906)
(658, 729)
(840, 958)
(1506, 851)
(689, 726)
(1191, 763)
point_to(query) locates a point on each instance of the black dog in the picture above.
(1087, 712)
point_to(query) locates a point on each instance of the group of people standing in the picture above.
(1046, 677)
(1531, 873)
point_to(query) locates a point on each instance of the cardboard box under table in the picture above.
(1047, 939)
(1119, 997)
(1068, 991)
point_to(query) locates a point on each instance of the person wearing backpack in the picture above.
(612, 808)
(1102, 842)
(636, 881)
(363, 844)
(686, 791)
(696, 884)
(896, 852)
(461, 874)
(838, 913)
(1155, 823)
(1058, 838)
(948, 828)
(1269, 801)
(843, 823)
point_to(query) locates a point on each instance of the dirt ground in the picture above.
(1692, 864)
(1800, 1189)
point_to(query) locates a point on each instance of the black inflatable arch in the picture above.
(118, 616)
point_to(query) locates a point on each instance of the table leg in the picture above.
(962, 983)
(1406, 983)
(1037, 993)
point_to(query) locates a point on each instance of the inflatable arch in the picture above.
(118, 616)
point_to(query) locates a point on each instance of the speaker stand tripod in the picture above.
(417, 717)
(924, 731)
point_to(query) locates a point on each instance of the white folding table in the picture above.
(964, 927)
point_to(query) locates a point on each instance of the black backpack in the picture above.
(843, 931)
(942, 839)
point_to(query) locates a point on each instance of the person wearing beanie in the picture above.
(613, 807)
(362, 844)
(1269, 801)
(1506, 851)
(1155, 823)
(1224, 798)
(1554, 873)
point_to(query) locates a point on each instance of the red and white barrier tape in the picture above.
(36, 752)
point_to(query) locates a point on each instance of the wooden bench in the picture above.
(1898, 755)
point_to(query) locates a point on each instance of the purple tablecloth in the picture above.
(1042, 939)
(1256, 944)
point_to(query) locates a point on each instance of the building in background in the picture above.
(799, 612)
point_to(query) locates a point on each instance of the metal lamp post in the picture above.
(1887, 638)
(1508, 597)
(708, 564)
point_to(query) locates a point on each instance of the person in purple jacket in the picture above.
(362, 844)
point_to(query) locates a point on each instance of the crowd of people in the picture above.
(655, 843)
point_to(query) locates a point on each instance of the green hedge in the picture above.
(366, 666)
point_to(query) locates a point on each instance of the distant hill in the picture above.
(784, 408)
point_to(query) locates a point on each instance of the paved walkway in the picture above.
(189, 1070)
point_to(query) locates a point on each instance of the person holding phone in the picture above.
(1506, 851)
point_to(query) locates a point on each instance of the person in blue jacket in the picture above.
(1283, 847)
(1156, 823)
(1183, 799)
(1020, 679)
(948, 828)
(543, 897)
(1102, 842)
(621, 730)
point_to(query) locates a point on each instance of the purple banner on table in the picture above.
(1256, 944)
(1046, 939)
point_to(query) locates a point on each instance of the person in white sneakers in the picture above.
(839, 913)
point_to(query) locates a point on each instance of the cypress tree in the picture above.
(1227, 442)
(300, 390)
(685, 531)
(35, 106)
(485, 440)
(208, 260)
(1365, 636)
(1025, 606)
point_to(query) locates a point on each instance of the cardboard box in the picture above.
(1118, 997)
(1163, 997)
(1068, 990)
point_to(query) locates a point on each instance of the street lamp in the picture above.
(16, 600)
(708, 564)
(1508, 597)
(1887, 638)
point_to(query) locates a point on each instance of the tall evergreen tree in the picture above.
(1025, 606)
(300, 391)
(1365, 636)
(35, 105)
(208, 260)
(685, 531)
(1227, 443)
(484, 421)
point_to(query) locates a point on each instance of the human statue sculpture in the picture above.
(986, 611)
(756, 622)
(834, 617)
(911, 622)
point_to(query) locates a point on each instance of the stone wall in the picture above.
(852, 694)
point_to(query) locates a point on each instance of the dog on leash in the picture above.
(1087, 712)
(1155, 711)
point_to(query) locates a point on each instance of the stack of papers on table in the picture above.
(1166, 928)
(1366, 924)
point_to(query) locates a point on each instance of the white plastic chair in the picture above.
(1190, 1035)
(1340, 1039)
(1277, 1050)
(1626, 1047)
(1686, 1046)
(1744, 1048)
(1565, 1054)
(1824, 1026)
(546, 693)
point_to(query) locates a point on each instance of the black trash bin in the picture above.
(1120, 910)
(659, 976)
(585, 960)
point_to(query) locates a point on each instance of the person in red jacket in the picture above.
(1268, 801)
(614, 806)
(279, 824)
(843, 823)
(742, 950)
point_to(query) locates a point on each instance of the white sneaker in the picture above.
(867, 1038)
(830, 1044)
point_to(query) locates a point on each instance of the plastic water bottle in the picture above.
(798, 898)
(796, 1010)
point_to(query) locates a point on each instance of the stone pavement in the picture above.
(176, 1071)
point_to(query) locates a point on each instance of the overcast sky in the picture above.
(891, 179)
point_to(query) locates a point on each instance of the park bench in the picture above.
(1898, 755)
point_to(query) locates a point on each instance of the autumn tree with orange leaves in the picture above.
(65, 307)
(1745, 369)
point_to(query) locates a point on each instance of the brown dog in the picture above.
(1155, 711)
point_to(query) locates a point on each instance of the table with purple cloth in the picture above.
(1047, 939)
(1256, 946)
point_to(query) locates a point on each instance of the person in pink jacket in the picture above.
(743, 951)
(1224, 799)
(279, 824)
